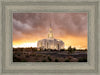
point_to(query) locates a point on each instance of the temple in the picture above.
(50, 42)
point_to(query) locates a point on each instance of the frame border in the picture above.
(20, 3)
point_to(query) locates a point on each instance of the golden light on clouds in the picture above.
(79, 43)
(71, 28)
(76, 42)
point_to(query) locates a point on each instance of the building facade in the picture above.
(50, 42)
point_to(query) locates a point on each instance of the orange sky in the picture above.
(71, 28)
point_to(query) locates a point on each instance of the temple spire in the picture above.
(50, 34)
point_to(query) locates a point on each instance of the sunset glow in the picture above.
(25, 45)
(71, 28)
(79, 43)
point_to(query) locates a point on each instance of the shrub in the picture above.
(66, 60)
(49, 58)
(27, 56)
(62, 49)
(15, 59)
(34, 55)
(18, 54)
(56, 60)
(83, 60)
(23, 60)
(43, 60)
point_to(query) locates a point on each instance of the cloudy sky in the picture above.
(71, 28)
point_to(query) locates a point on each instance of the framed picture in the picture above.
(56, 37)
(35, 37)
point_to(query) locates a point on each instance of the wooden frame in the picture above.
(8, 67)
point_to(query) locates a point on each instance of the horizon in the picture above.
(52, 49)
(32, 45)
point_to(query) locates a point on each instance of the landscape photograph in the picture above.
(50, 37)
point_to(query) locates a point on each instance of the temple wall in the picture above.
(50, 44)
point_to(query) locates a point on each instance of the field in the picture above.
(35, 55)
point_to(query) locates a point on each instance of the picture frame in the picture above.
(7, 66)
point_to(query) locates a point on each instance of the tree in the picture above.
(74, 49)
(69, 50)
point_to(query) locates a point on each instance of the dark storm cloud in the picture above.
(74, 24)
(37, 24)
(29, 24)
